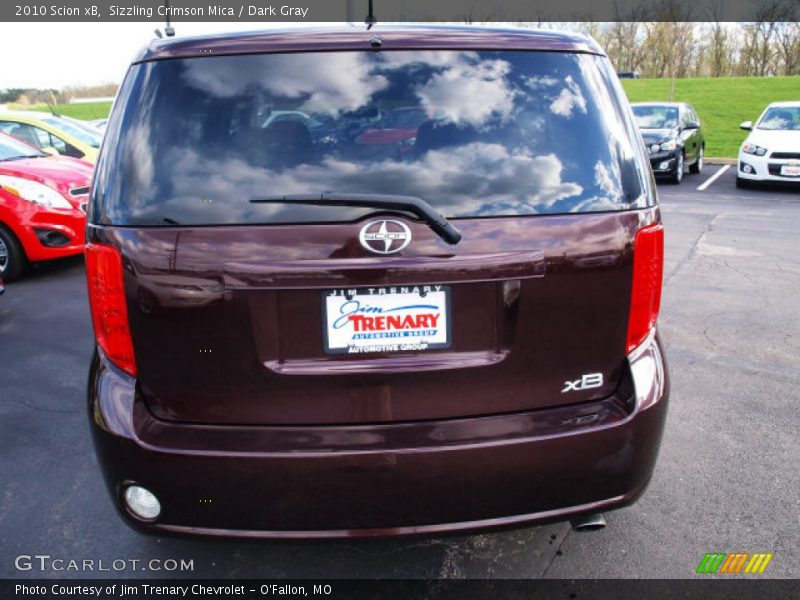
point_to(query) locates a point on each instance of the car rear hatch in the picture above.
(251, 300)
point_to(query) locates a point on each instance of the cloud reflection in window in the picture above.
(475, 179)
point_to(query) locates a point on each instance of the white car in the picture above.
(772, 150)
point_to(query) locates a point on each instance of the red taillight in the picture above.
(107, 302)
(648, 269)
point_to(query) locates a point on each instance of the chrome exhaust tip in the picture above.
(588, 523)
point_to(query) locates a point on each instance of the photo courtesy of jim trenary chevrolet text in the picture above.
(376, 299)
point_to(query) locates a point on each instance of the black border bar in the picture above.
(700, 587)
(388, 11)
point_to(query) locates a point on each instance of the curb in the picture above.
(719, 161)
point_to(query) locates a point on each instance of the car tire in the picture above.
(742, 183)
(697, 167)
(147, 302)
(677, 176)
(13, 261)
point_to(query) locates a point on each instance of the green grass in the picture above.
(721, 103)
(86, 111)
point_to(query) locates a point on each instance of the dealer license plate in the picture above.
(412, 318)
(790, 170)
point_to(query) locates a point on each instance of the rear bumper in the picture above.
(391, 479)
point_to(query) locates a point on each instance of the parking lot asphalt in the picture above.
(727, 479)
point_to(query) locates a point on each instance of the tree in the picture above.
(787, 43)
(720, 50)
(759, 50)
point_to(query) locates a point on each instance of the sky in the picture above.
(55, 55)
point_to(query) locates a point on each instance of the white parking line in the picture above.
(712, 179)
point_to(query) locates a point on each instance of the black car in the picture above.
(673, 136)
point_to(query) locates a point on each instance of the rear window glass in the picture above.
(475, 134)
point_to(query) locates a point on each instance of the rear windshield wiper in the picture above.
(417, 206)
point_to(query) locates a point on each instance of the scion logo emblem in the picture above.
(385, 237)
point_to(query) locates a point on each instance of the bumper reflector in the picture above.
(142, 502)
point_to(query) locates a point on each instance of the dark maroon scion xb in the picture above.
(300, 334)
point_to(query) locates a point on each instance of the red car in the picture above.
(398, 127)
(42, 206)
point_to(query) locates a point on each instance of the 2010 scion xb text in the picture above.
(114, 10)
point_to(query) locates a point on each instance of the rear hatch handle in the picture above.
(411, 204)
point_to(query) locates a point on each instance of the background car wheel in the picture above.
(13, 261)
(677, 176)
(147, 302)
(698, 164)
